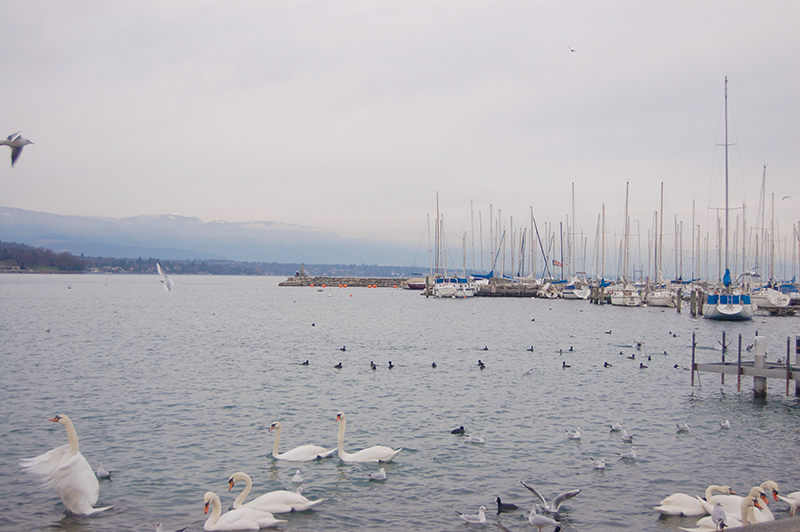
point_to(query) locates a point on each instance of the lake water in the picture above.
(175, 391)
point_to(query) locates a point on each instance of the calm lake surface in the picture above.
(175, 391)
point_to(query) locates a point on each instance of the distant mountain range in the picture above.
(175, 237)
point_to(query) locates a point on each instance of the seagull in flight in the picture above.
(16, 143)
(164, 278)
(571, 49)
(783, 198)
(557, 502)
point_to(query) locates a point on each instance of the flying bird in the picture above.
(557, 502)
(164, 278)
(16, 143)
(783, 198)
(572, 49)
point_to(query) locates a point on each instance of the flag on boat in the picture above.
(556, 263)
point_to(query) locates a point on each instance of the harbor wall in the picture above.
(335, 282)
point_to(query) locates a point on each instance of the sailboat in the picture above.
(725, 304)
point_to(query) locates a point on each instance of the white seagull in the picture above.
(164, 278)
(598, 464)
(16, 143)
(616, 427)
(477, 519)
(682, 427)
(475, 439)
(297, 478)
(102, 472)
(725, 424)
(573, 435)
(627, 438)
(557, 502)
(380, 475)
(540, 521)
(630, 455)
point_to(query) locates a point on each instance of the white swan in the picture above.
(686, 505)
(237, 519)
(276, 502)
(732, 503)
(66, 470)
(376, 453)
(747, 509)
(303, 453)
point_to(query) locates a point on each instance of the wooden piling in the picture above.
(739, 367)
(759, 383)
(797, 363)
(694, 366)
(724, 349)
(788, 362)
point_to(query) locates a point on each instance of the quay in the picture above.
(758, 368)
(346, 282)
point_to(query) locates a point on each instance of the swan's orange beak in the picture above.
(764, 498)
(56, 419)
(230, 484)
(733, 492)
(775, 495)
(338, 417)
(755, 503)
(205, 510)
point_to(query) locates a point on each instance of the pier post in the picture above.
(797, 363)
(693, 303)
(679, 302)
(788, 362)
(739, 367)
(724, 350)
(700, 298)
(759, 383)
(694, 366)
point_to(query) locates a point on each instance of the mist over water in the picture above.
(175, 391)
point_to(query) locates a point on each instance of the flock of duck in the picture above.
(67, 471)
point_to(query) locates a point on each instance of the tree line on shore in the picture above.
(16, 257)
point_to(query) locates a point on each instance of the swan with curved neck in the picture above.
(303, 453)
(685, 505)
(376, 453)
(747, 511)
(276, 502)
(732, 503)
(238, 519)
(66, 470)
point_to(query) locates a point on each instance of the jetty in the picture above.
(759, 368)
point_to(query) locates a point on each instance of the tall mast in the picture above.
(726, 172)
(661, 234)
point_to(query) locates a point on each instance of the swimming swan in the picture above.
(238, 519)
(66, 470)
(276, 502)
(376, 453)
(687, 505)
(732, 503)
(303, 453)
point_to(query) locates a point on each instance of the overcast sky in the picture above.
(350, 116)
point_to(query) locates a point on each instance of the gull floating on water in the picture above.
(598, 464)
(557, 502)
(160, 528)
(616, 427)
(630, 455)
(16, 143)
(475, 439)
(380, 475)
(725, 424)
(573, 435)
(297, 478)
(627, 438)
(682, 427)
(479, 518)
(164, 278)
(540, 521)
(102, 472)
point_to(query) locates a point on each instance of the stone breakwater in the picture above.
(335, 282)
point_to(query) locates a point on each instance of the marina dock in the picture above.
(759, 368)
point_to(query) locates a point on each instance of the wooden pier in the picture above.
(759, 368)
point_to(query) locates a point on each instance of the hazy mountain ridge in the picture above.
(178, 237)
